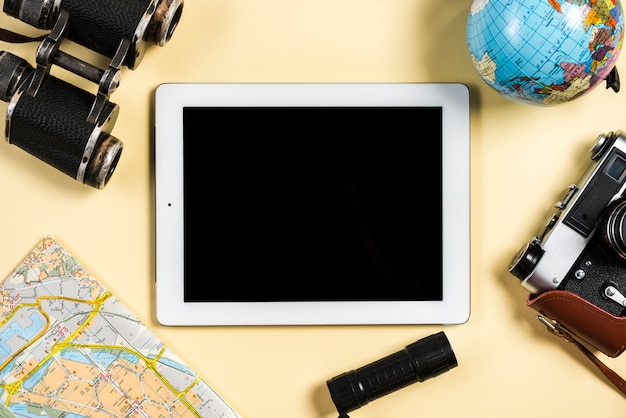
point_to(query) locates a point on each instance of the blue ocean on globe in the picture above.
(545, 52)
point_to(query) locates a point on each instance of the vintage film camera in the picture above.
(583, 246)
(59, 123)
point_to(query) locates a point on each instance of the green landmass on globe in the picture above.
(545, 52)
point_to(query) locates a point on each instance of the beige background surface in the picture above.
(522, 159)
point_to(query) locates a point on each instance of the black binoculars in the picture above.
(57, 122)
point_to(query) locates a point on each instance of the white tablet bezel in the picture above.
(453, 98)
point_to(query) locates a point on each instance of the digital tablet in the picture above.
(312, 203)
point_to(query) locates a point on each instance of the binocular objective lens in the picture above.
(103, 162)
(164, 21)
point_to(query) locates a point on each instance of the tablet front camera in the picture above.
(59, 123)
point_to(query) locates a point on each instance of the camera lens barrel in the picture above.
(101, 25)
(425, 358)
(53, 125)
(613, 228)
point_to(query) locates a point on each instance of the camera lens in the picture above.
(524, 262)
(614, 229)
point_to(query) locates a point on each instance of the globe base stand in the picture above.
(612, 80)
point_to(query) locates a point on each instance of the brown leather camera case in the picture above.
(591, 324)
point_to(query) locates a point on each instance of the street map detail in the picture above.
(69, 348)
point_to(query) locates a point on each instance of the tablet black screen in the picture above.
(312, 203)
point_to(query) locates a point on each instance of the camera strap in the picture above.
(556, 329)
(16, 38)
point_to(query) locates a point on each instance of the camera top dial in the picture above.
(524, 262)
(603, 142)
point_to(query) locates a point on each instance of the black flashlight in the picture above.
(425, 358)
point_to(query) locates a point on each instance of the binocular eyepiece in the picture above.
(57, 122)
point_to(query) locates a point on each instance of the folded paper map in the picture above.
(69, 348)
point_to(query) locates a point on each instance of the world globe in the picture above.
(545, 52)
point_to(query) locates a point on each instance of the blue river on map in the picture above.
(30, 383)
(13, 328)
(103, 357)
(177, 366)
(22, 412)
